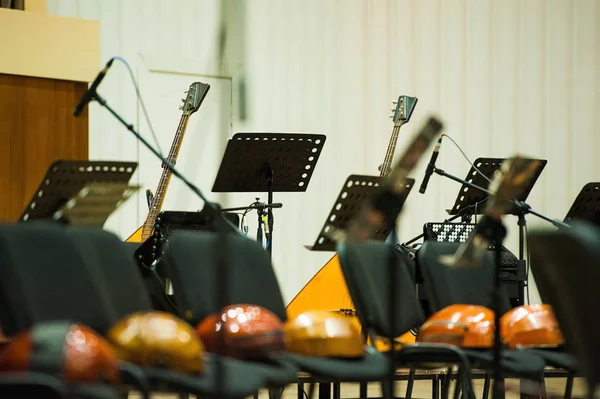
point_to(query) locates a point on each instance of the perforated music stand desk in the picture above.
(469, 197)
(268, 162)
(65, 180)
(356, 189)
(586, 206)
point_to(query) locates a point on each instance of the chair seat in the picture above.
(241, 380)
(93, 391)
(277, 371)
(372, 367)
(515, 362)
(557, 359)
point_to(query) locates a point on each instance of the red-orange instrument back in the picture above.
(531, 326)
(250, 332)
(72, 352)
(467, 326)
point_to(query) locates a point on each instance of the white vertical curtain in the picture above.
(512, 76)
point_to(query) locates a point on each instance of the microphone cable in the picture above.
(140, 102)
(466, 157)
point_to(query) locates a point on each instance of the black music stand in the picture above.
(474, 199)
(586, 206)
(69, 187)
(268, 162)
(354, 192)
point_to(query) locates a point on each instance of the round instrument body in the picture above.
(324, 333)
(158, 339)
(467, 326)
(531, 326)
(71, 352)
(250, 332)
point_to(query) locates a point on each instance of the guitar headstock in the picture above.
(403, 110)
(195, 95)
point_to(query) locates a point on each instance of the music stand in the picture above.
(268, 162)
(356, 189)
(586, 206)
(469, 196)
(65, 180)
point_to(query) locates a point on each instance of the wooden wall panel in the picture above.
(36, 128)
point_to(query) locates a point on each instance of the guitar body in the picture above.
(136, 236)
(327, 290)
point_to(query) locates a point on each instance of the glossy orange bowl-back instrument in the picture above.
(250, 332)
(158, 339)
(531, 326)
(70, 352)
(324, 333)
(467, 326)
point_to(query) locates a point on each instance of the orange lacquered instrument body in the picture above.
(324, 333)
(531, 326)
(158, 339)
(467, 326)
(83, 355)
(250, 332)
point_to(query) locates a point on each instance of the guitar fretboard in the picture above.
(386, 167)
(165, 178)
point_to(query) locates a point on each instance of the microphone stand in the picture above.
(222, 225)
(260, 207)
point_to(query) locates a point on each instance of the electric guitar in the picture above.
(191, 103)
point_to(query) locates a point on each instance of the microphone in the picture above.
(430, 166)
(89, 94)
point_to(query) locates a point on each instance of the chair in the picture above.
(56, 272)
(366, 269)
(446, 286)
(112, 265)
(31, 268)
(118, 267)
(189, 261)
(565, 264)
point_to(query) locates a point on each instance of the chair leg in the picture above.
(502, 383)
(569, 386)
(311, 390)
(410, 383)
(435, 387)
(362, 390)
(458, 386)
(386, 391)
(486, 386)
(301, 391)
(446, 383)
(336, 390)
(274, 393)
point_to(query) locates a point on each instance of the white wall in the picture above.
(506, 77)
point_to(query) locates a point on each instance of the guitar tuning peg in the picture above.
(186, 91)
(391, 116)
(394, 102)
(180, 107)
(393, 110)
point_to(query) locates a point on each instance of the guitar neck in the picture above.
(386, 167)
(165, 179)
